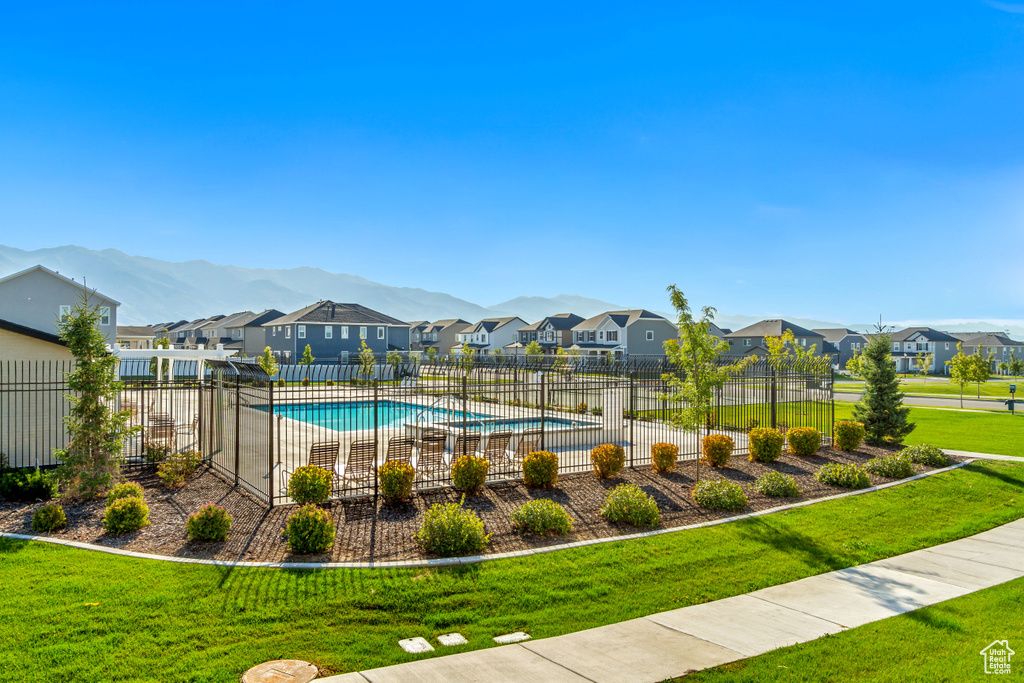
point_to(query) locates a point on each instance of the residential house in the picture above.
(441, 335)
(38, 297)
(914, 342)
(998, 345)
(334, 332)
(636, 332)
(845, 342)
(552, 333)
(751, 339)
(20, 342)
(133, 337)
(247, 334)
(489, 335)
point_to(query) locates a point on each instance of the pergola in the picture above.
(199, 354)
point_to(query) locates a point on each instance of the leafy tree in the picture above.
(467, 359)
(431, 353)
(697, 354)
(881, 406)
(853, 363)
(1003, 368)
(394, 359)
(415, 358)
(367, 361)
(267, 361)
(499, 355)
(981, 368)
(534, 350)
(924, 363)
(92, 458)
(561, 363)
(780, 348)
(1016, 365)
(307, 356)
(161, 343)
(961, 370)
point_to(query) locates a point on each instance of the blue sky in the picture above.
(833, 162)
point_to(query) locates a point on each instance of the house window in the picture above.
(613, 335)
(600, 335)
(380, 333)
(344, 356)
(288, 332)
(947, 346)
(746, 342)
(105, 315)
(362, 333)
(302, 332)
(65, 311)
(344, 332)
(416, 336)
(895, 346)
(273, 331)
(328, 332)
(650, 335)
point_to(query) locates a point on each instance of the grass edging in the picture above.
(472, 559)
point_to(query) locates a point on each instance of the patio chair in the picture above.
(323, 454)
(497, 447)
(431, 460)
(189, 429)
(160, 436)
(529, 443)
(359, 467)
(466, 444)
(400, 449)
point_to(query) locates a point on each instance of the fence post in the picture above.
(201, 422)
(774, 399)
(270, 447)
(376, 440)
(238, 423)
(632, 415)
(543, 400)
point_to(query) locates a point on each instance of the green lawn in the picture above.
(937, 643)
(975, 430)
(988, 389)
(72, 615)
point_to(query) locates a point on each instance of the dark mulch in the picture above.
(385, 532)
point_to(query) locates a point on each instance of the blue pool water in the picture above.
(348, 416)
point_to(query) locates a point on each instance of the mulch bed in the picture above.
(385, 533)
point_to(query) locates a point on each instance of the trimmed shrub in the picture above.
(309, 484)
(396, 480)
(629, 504)
(128, 489)
(280, 383)
(154, 454)
(926, 454)
(663, 457)
(541, 517)
(211, 523)
(608, 460)
(469, 472)
(540, 470)
(449, 530)
(849, 434)
(765, 444)
(329, 382)
(846, 476)
(309, 530)
(716, 449)
(27, 485)
(891, 467)
(776, 485)
(175, 469)
(125, 515)
(49, 518)
(305, 382)
(719, 494)
(803, 441)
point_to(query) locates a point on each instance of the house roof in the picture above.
(929, 333)
(343, 314)
(30, 332)
(985, 339)
(620, 318)
(594, 345)
(490, 324)
(134, 331)
(257, 319)
(59, 277)
(439, 325)
(836, 334)
(774, 327)
(561, 321)
(235, 319)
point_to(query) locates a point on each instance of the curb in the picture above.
(473, 559)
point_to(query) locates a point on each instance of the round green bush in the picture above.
(765, 444)
(210, 523)
(309, 530)
(450, 530)
(128, 489)
(847, 476)
(717, 449)
(608, 460)
(396, 479)
(27, 485)
(540, 470)
(804, 441)
(890, 467)
(125, 515)
(309, 484)
(776, 485)
(926, 454)
(49, 518)
(175, 469)
(629, 504)
(663, 457)
(849, 434)
(469, 472)
(719, 494)
(541, 516)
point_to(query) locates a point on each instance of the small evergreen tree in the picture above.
(92, 458)
(881, 409)
(307, 356)
(267, 362)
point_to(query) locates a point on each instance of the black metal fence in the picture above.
(256, 431)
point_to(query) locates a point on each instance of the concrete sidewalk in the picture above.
(670, 644)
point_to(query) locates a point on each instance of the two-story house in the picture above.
(913, 342)
(998, 345)
(751, 339)
(845, 341)
(552, 333)
(488, 335)
(37, 297)
(134, 337)
(440, 335)
(247, 333)
(335, 332)
(636, 332)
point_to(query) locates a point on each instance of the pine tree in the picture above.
(881, 407)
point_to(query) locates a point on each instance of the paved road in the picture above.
(940, 401)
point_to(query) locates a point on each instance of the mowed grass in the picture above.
(74, 615)
(988, 389)
(938, 643)
(968, 430)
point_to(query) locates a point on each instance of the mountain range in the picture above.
(152, 291)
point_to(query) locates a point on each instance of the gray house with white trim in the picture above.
(335, 332)
(637, 331)
(37, 297)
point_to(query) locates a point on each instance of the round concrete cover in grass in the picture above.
(281, 671)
